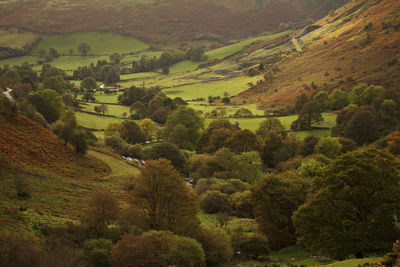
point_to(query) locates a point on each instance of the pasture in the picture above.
(215, 88)
(103, 98)
(15, 39)
(115, 110)
(229, 50)
(101, 43)
(95, 121)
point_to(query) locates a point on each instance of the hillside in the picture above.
(31, 147)
(357, 43)
(162, 20)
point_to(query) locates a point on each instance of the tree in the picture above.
(84, 48)
(157, 248)
(97, 251)
(243, 141)
(169, 152)
(274, 199)
(216, 245)
(243, 113)
(193, 123)
(48, 103)
(19, 249)
(329, 147)
(115, 58)
(338, 99)
(131, 132)
(88, 84)
(309, 114)
(308, 145)
(270, 124)
(362, 127)
(301, 100)
(138, 109)
(203, 142)
(53, 52)
(162, 201)
(214, 201)
(103, 108)
(388, 114)
(102, 209)
(56, 83)
(148, 128)
(323, 99)
(80, 142)
(218, 139)
(350, 211)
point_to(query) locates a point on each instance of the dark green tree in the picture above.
(350, 210)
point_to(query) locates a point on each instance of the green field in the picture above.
(19, 60)
(101, 43)
(100, 97)
(95, 121)
(70, 63)
(225, 51)
(115, 110)
(141, 75)
(119, 167)
(16, 39)
(184, 66)
(216, 88)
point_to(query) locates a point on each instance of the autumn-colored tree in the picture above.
(131, 132)
(158, 249)
(243, 141)
(270, 124)
(351, 208)
(166, 151)
(102, 209)
(162, 201)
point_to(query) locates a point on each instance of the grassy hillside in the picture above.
(28, 145)
(165, 20)
(357, 43)
(59, 181)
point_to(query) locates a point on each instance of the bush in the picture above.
(253, 246)
(157, 248)
(116, 143)
(241, 204)
(214, 201)
(19, 249)
(97, 251)
(134, 151)
(216, 245)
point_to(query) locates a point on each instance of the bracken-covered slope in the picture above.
(162, 20)
(31, 147)
(359, 42)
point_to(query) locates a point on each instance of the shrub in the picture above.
(253, 246)
(19, 249)
(116, 143)
(214, 201)
(134, 151)
(241, 204)
(97, 251)
(216, 245)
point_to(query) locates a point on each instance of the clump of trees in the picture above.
(167, 59)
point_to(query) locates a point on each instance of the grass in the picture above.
(19, 60)
(229, 50)
(119, 167)
(15, 39)
(217, 88)
(115, 110)
(101, 43)
(70, 63)
(141, 75)
(95, 121)
(184, 66)
(354, 262)
(100, 97)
